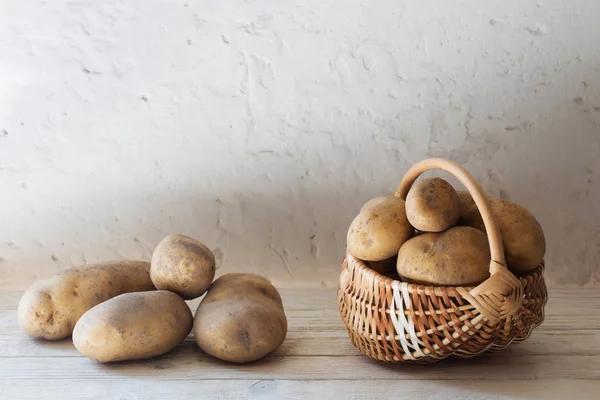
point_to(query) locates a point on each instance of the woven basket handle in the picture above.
(491, 226)
(501, 280)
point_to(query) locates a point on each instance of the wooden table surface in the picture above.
(561, 360)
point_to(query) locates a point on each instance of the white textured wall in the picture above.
(259, 127)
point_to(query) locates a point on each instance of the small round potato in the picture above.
(466, 202)
(51, 306)
(182, 265)
(374, 201)
(459, 256)
(432, 205)
(522, 235)
(241, 319)
(379, 230)
(133, 326)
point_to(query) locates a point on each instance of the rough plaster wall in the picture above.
(260, 127)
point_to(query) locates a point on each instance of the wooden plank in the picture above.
(139, 388)
(541, 343)
(309, 344)
(187, 362)
(336, 344)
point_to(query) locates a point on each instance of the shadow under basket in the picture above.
(393, 321)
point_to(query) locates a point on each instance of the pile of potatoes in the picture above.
(437, 236)
(131, 310)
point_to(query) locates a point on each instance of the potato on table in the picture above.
(522, 235)
(432, 205)
(379, 230)
(51, 306)
(459, 256)
(133, 326)
(182, 265)
(241, 318)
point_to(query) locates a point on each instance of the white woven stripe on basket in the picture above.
(403, 325)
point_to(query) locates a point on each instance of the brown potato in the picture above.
(522, 235)
(459, 256)
(182, 265)
(241, 319)
(374, 201)
(432, 205)
(379, 230)
(51, 306)
(133, 326)
(466, 202)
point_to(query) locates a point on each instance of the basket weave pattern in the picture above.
(395, 321)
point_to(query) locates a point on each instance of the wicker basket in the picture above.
(393, 321)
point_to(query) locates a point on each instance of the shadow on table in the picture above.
(63, 345)
(502, 374)
(188, 360)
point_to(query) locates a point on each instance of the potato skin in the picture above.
(241, 319)
(459, 256)
(379, 230)
(466, 202)
(133, 326)
(50, 307)
(182, 265)
(374, 201)
(432, 205)
(522, 235)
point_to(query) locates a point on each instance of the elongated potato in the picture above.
(379, 230)
(459, 256)
(241, 319)
(133, 326)
(182, 265)
(51, 306)
(522, 235)
(432, 205)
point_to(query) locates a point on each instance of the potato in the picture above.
(379, 230)
(51, 306)
(384, 267)
(459, 256)
(432, 205)
(522, 235)
(182, 265)
(466, 202)
(374, 201)
(241, 319)
(133, 326)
